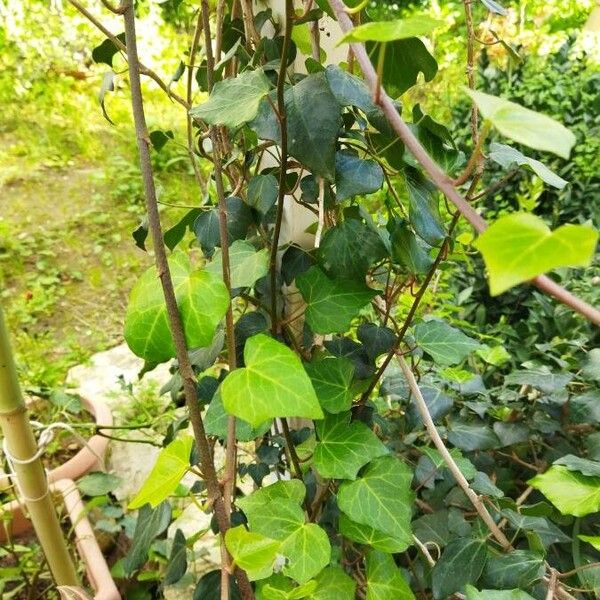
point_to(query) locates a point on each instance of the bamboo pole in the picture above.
(31, 478)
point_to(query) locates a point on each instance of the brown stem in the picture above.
(471, 68)
(291, 448)
(117, 10)
(162, 266)
(441, 179)
(281, 114)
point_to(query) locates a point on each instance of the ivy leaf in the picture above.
(105, 52)
(474, 594)
(331, 378)
(462, 562)
(209, 587)
(572, 493)
(519, 568)
(506, 157)
(338, 251)
(262, 192)
(376, 340)
(292, 489)
(384, 579)
(545, 529)
(594, 540)
(171, 465)
(334, 584)
(247, 265)
(388, 31)
(308, 551)
(331, 305)
(404, 60)
(355, 176)
(445, 344)
(423, 209)
(215, 423)
(350, 90)
(252, 552)
(344, 447)
(150, 524)
(407, 251)
(98, 483)
(381, 498)
(312, 137)
(582, 465)
(272, 384)
(234, 101)
(524, 126)
(177, 565)
(363, 534)
(541, 378)
(519, 247)
(201, 297)
(469, 437)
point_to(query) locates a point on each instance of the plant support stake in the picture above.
(23, 457)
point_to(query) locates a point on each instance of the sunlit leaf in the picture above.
(388, 31)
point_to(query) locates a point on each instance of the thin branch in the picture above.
(441, 179)
(162, 266)
(117, 10)
(475, 500)
(142, 69)
(281, 114)
(471, 68)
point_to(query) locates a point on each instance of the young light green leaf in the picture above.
(594, 540)
(572, 493)
(445, 344)
(506, 157)
(363, 534)
(381, 498)
(171, 465)
(524, 126)
(246, 263)
(292, 489)
(234, 102)
(520, 246)
(331, 305)
(388, 31)
(202, 299)
(253, 552)
(334, 584)
(462, 562)
(344, 447)
(332, 378)
(272, 384)
(308, 552)
(474, 594)
(384, 579)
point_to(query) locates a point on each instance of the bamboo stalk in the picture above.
(31, 477)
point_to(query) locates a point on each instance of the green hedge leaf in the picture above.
(355, 176)
(331, 378)
(247, 265)
(252, 552)
(388, 31)
(445, 344)
(384, 579)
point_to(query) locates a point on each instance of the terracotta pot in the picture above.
(86, 459)
(96, 568)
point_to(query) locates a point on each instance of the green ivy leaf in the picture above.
(247, 265)
(355, 176)
(585, 466)
(252, 552)
(262, 192)
(594, 540)
(311, 139)
(332, 378)
(384, 579)
(423, 209)
(308, 551)
(98, 483)
(272, 384)
(474, 594)
(350, 90)
(524, 126)
(331, 305)
(216, 423)
(344, 447)
(177, 565)
(381, 498)
(462, 562)
(472, 436)
(519, 247)
(234, 101)
(445, 344)
(407, 251)
(506, 157)
(363, 534)
(338, 251)
(572, 493)
(334, 584)
(171, 465)
(292, 489)
(388, 31)
(202, 299)
(519, 568)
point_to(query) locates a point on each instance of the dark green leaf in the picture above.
(349, 90)
(423, 209)
(262, 192)
(159, 138)
(472, 436)
(331, 305)
(355, 176)
(518, 569)
(407, 251)
(332, 378)
(582, 465)
(175, 234)
(376, 340)
(541, 378)
(445, 344)
(105, 52)
(98, 483)
(209, 587)
(548, 532)
(177, 565)
(462, 562)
